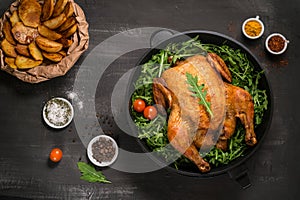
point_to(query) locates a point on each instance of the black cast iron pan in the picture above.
(236, 169)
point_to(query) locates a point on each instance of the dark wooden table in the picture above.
(25, 140)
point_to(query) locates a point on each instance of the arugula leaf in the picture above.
(198, 91)
(244, 75)
(90, 174)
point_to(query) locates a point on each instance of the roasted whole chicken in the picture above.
(190, 127)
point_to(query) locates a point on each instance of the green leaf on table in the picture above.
(89, 173)
(198, 91)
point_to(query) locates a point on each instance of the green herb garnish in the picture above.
(90, 174)
(198, 91)
(244, 75)
(236, 148)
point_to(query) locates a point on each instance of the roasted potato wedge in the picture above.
(68, 23)
(30, 13)
(38, 31)
(70, 31)
(35, 52)
(23, 62)
(69, 9)
(55, 22)
(7, 33)
(22, 49)
(48, 8)
(59, 7)
(55, 57)
(24, 34)
(8, 48)
(48, 33)
(48, 45)
(10, 62)
(65, 42)
(63, 53)
(14, 18)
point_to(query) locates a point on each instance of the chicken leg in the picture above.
(178, 131)
(239, 104)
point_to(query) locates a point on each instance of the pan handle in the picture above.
(240, 174)
(161, 35)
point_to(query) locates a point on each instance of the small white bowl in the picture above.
(276, 52)
(90, 152)
(257, 20)
(52, 108)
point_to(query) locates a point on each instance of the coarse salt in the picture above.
(58, 112)
(74, 97)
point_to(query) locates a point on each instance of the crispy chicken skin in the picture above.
(190, 127)
(239, 104)
(179, 127)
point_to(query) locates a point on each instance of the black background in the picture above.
(25, 141)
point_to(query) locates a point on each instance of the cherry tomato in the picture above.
(139, 105)
(56, 155)
(150, 112)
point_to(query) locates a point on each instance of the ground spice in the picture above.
(103, 150)
(253, 28)
(276, 43)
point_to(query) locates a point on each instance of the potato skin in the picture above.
(69, 32)
(69, 10)
(55, 57)
(14, 18)
(11, 62)
(23, 62)
(7, 33)
(24, 34)
(67, 24)
(65, 42)
(55, 22)
(48, 45)
(8, 48)
(48, 33)
(38, 31)
(47, 10)
(35, 51)
(59, 7)
(30, 13)
(22, 49)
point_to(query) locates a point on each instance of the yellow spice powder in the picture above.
(253, 28)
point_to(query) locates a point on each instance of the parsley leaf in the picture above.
(88, 173)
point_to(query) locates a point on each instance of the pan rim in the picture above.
(255, 62)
